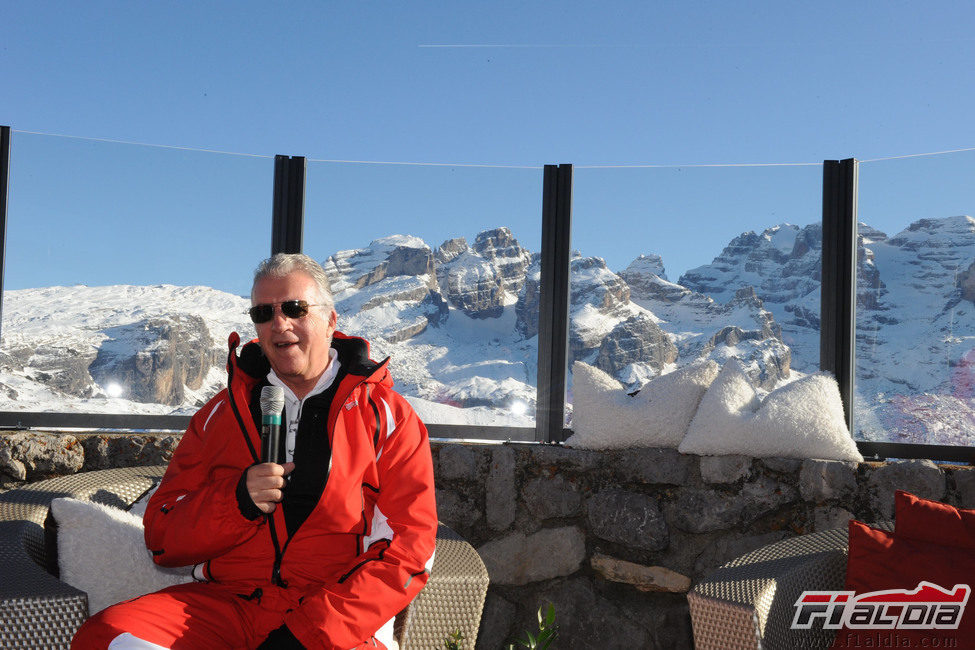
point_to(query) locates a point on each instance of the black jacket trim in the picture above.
(375, 413)
(382, 554)
(233, 406)
(354, 356)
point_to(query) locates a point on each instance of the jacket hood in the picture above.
(353, 354)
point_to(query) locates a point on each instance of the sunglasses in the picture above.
(290, 308)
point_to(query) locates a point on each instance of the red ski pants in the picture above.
(193, 616)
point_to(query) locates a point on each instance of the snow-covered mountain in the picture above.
(915, 326)
(916, 331)
(461, 323)
(117, 349)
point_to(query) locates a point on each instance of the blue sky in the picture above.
(510, 85)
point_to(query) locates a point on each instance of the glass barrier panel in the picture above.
(126, 269)
(682, 266)
(915, 319)
(438, 268)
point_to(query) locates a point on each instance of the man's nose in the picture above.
(280, 322)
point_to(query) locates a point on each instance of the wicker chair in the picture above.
(39, 611)
(748, 603)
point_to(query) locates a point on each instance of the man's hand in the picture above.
(265, 484)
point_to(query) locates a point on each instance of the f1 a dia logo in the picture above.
(928, 607)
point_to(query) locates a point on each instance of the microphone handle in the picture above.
(270, 442)
(274, 436)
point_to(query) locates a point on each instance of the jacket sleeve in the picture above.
(194, 515)
(390, 572)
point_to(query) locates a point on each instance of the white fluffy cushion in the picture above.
(803, 419)
(101, 550)
(605, 417)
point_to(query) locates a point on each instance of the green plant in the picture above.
(547, 632)
(452, 642)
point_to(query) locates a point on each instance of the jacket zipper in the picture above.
(278, 549)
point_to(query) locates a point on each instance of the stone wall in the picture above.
(27, 456)
(612, 539)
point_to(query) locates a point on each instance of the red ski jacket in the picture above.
(364, 550)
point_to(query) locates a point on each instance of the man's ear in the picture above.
(333, 320)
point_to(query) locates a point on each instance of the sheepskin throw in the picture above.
(605, 417)
(803, 419)
(101, 551)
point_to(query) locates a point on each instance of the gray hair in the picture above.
(282, 264)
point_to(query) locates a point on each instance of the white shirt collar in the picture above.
(323, 382)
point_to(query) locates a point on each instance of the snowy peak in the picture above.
(500, 244)
(869, 235)
(782, 264)
(937, 233)
(502, 250)
(389, 289)
(450, 249)
(473, 285)
(646, 279)
(594, 284)
(397, 255)
(611, 332)
(647, 265)
(931, 259)
(481, 279)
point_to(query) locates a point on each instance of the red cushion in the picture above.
(931, 521)
(880, 560)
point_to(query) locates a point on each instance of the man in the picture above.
(320, 551)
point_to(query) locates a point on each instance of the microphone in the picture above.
(272, 403)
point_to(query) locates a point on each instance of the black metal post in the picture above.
(553, 316)
(289, 204)
(4, 180)
(837, 333)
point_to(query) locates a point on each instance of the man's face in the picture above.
(297, 348)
